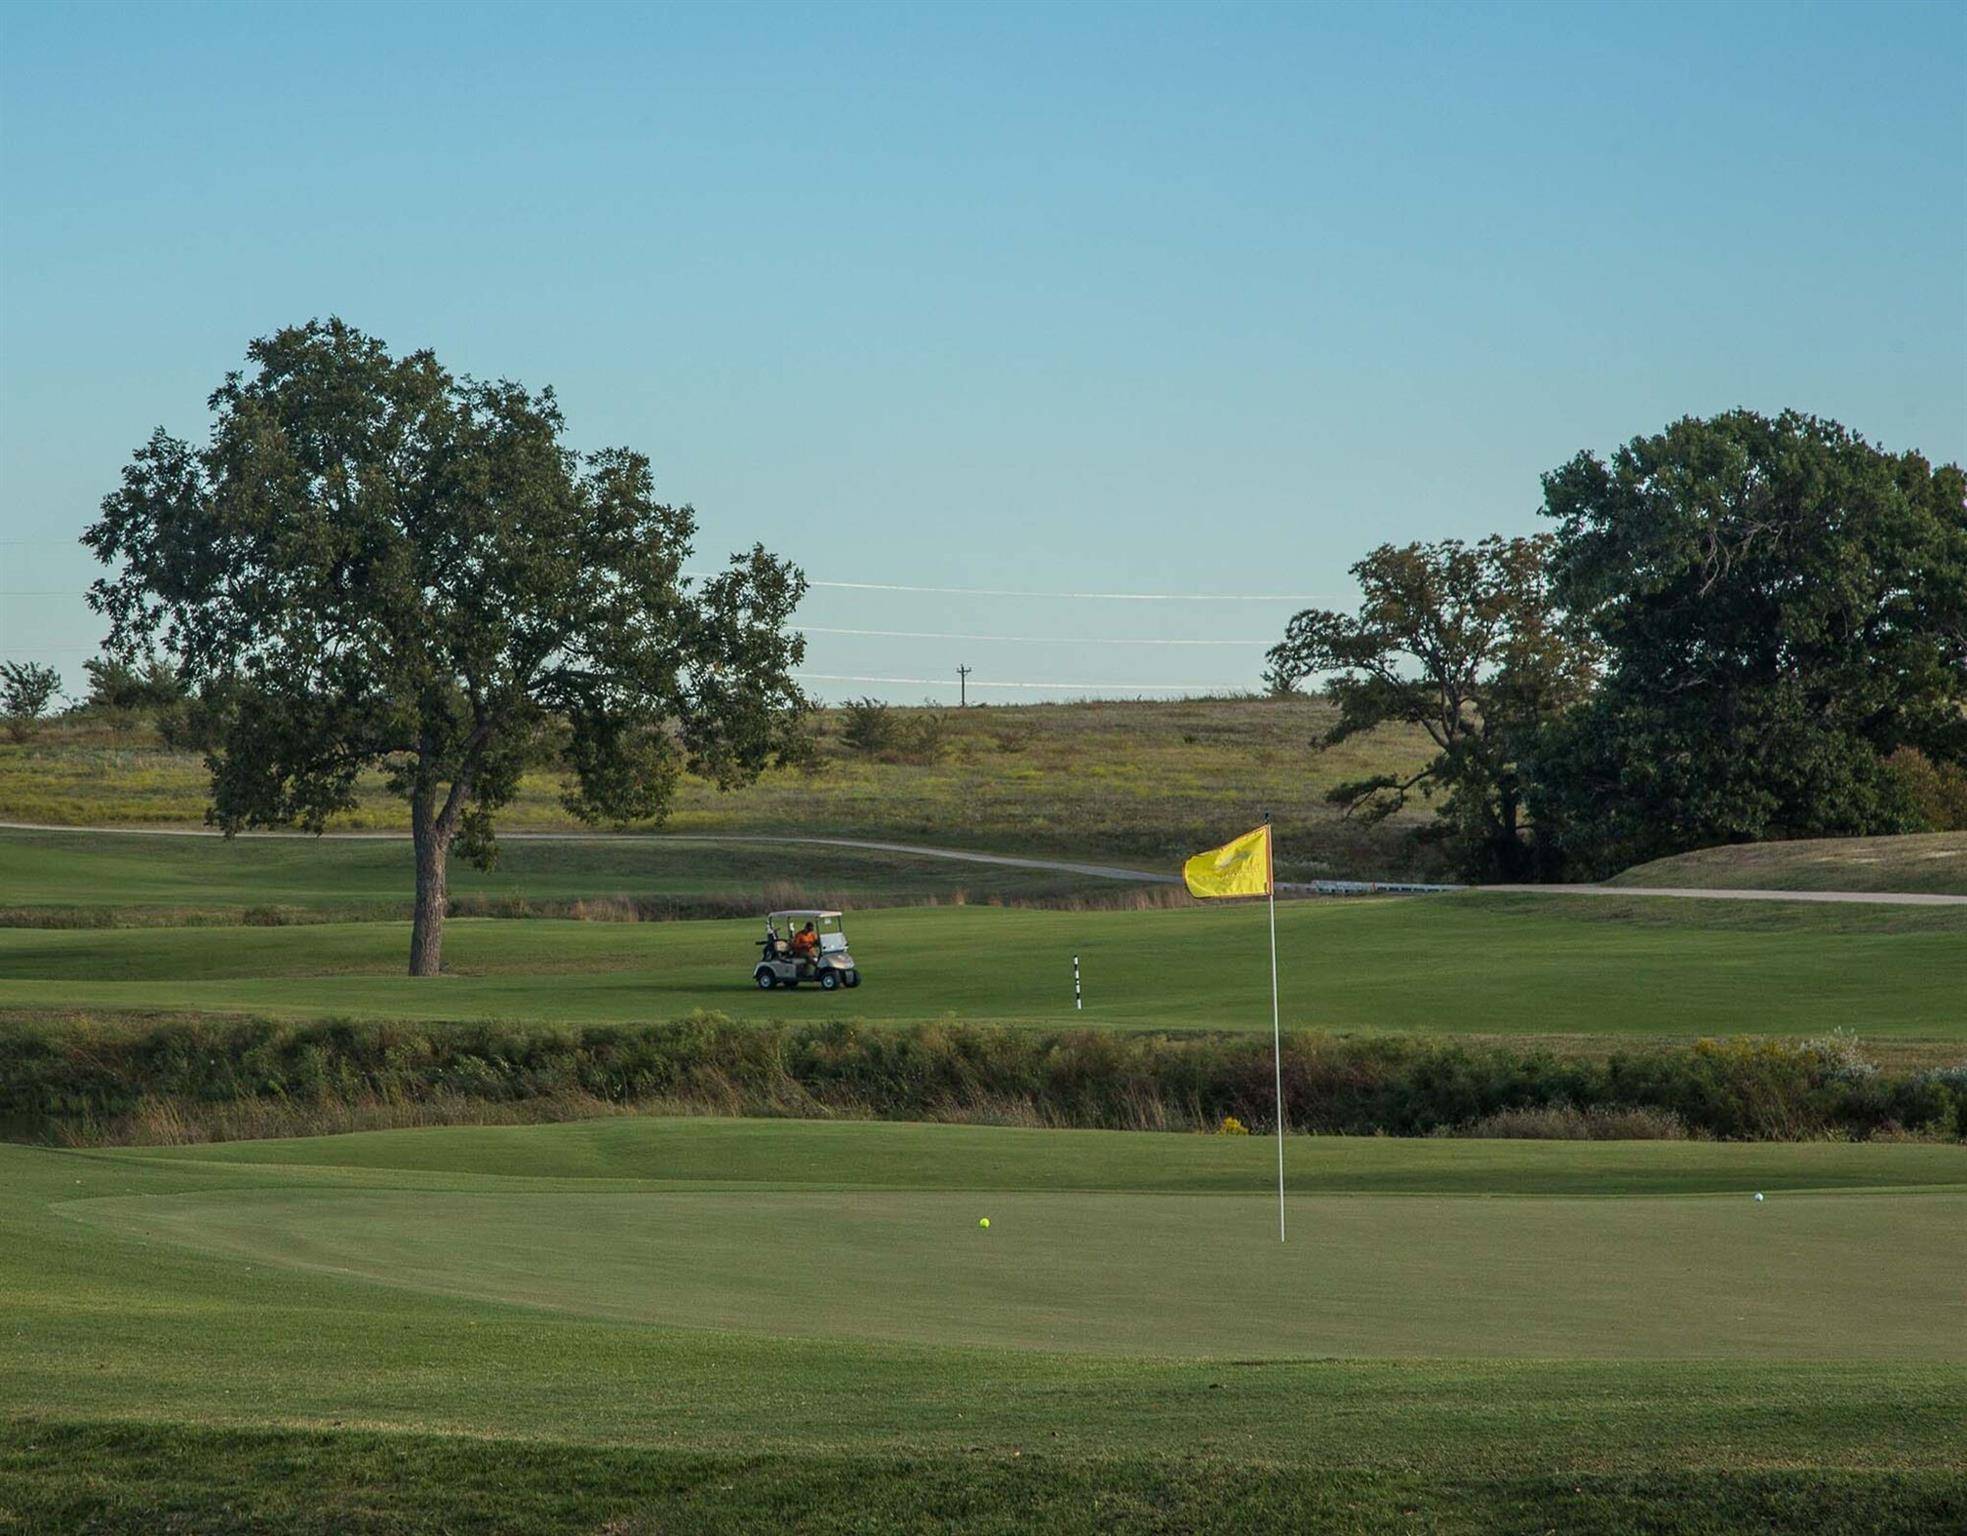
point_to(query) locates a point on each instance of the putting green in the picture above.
(1872, 1276)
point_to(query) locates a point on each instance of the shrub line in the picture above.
(90, 1080)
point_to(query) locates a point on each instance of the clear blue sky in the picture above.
(1071, 297)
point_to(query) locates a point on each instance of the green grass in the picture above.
(821, 1156)
(1927, 862)
(1137, 1275)
(1475, 965)
(114, 879)
(643, 1326)
(637, 1326)
(1138, 780)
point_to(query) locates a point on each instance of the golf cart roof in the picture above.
(804, 912)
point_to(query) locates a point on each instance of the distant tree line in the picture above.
(1740, 629)
(121, 694)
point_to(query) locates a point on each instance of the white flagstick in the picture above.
(1276, 1027)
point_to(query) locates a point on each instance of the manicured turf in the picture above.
(622, 1345)
(1464, 964)
(1151, 1275)
(822, 1155)
(129, 878)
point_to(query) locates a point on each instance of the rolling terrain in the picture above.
(638, 1324)
(1927, 862)
(1119, 780)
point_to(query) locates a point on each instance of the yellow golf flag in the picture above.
(1239, 868)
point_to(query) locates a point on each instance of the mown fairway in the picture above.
(1462, 964)
(671, 1324)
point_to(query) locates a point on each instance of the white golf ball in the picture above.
(1758, 1194)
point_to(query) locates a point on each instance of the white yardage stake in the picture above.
(1276, 1027)
(1078, 1002)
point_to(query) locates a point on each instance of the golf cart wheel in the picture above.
(829, 980)
(766, 981)
(853, 978)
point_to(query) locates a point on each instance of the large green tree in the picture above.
(1783, 605)
(377, 563)
(1465, 642)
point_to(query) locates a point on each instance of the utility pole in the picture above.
(962, 687)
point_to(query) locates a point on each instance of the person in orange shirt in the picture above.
(805, 943)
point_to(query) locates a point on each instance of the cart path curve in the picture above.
(964, 855)
(1067, 867)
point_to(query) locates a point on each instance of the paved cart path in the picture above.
(1060, 866)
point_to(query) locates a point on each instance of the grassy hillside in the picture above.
(1926, 862)
(711, 1325)
(118, 879)
(1144, 780)
(1469, 964)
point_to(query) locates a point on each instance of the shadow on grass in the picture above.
(130, 1477)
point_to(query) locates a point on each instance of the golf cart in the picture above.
(804, 946)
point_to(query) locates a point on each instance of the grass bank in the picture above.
(84, 1083)
(1117, 780)
(1926, 862)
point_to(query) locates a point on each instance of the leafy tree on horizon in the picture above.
(373, 562)
(1465, 642)
(26, 690)
(117, 684)
(122, 689)
(1783, 607)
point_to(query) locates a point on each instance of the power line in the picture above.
(950, 682)
(884, 586)
(1117, 597)
(929, 634)
(1120, 597)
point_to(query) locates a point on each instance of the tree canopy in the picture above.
(374, 562)
(1465, 642)
(1782, 606)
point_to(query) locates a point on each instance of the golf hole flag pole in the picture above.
(1246, 867)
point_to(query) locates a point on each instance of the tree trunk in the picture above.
(427, 926)
(1512, 857)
